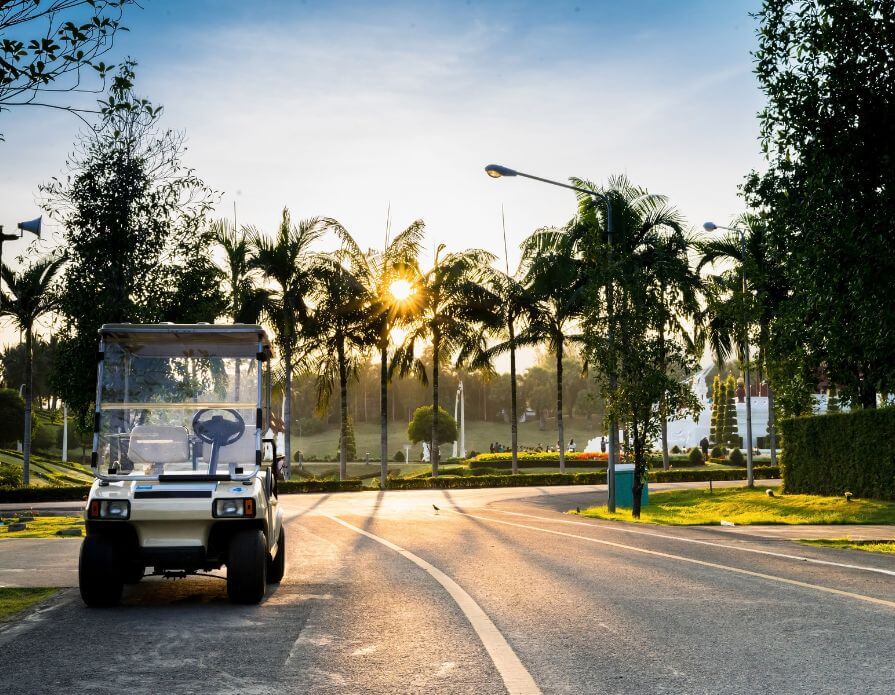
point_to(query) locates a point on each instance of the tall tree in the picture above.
(56, 47)
(27, 297)
(287, 260)
(133, 216)
(452, 303)
(828, 194)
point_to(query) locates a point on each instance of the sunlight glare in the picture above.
(400, 289)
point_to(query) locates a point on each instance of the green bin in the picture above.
(624, 481)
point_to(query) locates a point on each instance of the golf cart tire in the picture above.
(99, 577)
(247, 567)
(276, 568)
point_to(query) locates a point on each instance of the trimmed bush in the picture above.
(716, 452)
(398, 457)
(576, 458)
(10, 475)
(839, 452)
(290, 487)
(675, 449)
(695, 457)
(44, 494)
(736, 458)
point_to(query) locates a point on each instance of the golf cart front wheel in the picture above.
(99, 576)
(247, 567)
(276, 568)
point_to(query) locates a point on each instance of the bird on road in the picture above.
(436, 509)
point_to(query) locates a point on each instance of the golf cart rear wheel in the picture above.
(133, 573)
(247, 567)
(99, 576)
(276, 568)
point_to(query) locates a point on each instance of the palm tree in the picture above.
(552, 271)
(341, 328)
(452, 304)
(287, 261)
(511, 302)
(390, 277)
(726, 305)
(29, 296)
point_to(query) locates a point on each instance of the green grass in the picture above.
(15, 600)
(886, 547)
(42, 527)
(47, 470)
(478, 436)
(743, 506)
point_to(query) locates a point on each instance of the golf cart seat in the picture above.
(159, 445)
(239, 453)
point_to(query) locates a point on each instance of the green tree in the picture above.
(28, 296)
(717, 434)
(69, 38)
(287, 261)
(420, 427)
(12, 414)
(825, 67)
(731, 433)
(133, 217)
(452, 306)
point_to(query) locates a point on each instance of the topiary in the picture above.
(716, 452)
(695, 457)
(675, 449)
(736, 458)
(398, 457)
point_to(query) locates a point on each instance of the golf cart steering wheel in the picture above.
(218, 431)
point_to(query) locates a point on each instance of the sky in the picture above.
(368, 110)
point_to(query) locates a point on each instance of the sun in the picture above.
(400, 290)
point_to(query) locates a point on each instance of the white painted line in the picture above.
(516, 677)
(627, 529)
(694, 561)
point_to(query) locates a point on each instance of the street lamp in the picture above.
(497, 171)
(32, 226)
(711, 227)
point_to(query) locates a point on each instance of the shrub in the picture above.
(675, 449)
(298, 457)
(696, 458)
(10, 475)
(12, 414)
(540, 458)
(716, 452)
(43, 438)
(736, 458)
(398, 457)
(829, 454)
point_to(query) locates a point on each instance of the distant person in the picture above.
(603, 445)
(572, 445)
(491, 447)
(704, 445)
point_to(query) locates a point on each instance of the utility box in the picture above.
(624, 481)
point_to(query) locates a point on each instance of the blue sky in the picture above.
(346, 108)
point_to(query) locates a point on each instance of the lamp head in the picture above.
(32, 226)
(709, 226)
(495, 171)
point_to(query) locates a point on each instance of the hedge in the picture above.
(595, 478)
(290, 487)
(535, 463)
(68, 493)
(839, 452)
(533, 459)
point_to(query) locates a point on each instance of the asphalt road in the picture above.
(496, 590)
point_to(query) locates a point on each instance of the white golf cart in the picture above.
(185, 477)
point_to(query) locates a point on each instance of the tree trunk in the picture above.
(772, 430)
(868, 396)
(343, 409)
(433, 446)
(639, 470)
(514, 416)
(559, 423)
(383, 416)
(287, 413)
(26, 437)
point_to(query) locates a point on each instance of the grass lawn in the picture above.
(14, 600)
(887, 547)
(743, 506)
(42, 527)
(478, 435)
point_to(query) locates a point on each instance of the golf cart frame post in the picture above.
(239, 341)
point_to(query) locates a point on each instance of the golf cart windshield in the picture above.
(180, 401)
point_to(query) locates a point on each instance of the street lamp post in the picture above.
(750, 479)
(497, 171)
(32, 226)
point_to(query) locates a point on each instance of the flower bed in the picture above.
(534, 459)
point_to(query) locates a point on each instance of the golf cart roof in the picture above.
(223, 340)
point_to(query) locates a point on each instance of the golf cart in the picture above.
(185, 475)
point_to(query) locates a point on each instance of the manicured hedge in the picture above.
(68, 493)
(290, 487)
(703, 476)
(534, 463)
(533, 459)
(839, 452)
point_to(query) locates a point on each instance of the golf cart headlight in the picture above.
(244, 507)
(110, 509)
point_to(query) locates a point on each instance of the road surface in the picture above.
(495, 591)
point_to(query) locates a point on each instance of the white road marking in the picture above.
(625, 529)
(516, 677)
(694, 561)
